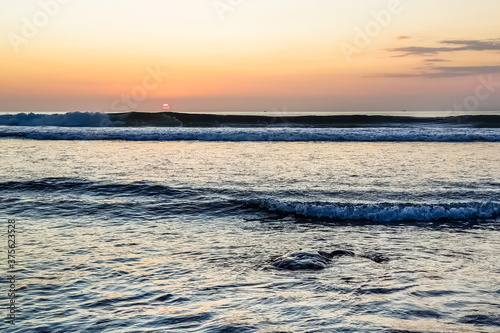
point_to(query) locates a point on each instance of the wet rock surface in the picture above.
(318, 260)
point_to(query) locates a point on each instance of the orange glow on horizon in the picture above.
(253, 53)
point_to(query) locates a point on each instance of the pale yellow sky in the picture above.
(64, 55)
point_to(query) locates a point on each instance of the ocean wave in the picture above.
(70, 119)
(63, 185)
(175, 119)
(226, 134)
(385, 212)
(56, 196)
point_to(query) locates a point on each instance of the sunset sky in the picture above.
(123, 55)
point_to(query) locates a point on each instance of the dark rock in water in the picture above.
(302, 261)
(378, 258)
(339, 253)
(317, 260)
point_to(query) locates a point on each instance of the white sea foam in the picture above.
(249, 134)
(71, 119)
(387, 212)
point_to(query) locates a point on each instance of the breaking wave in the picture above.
(385, 212)
(75, 197)
(231, 134)
(71, 119)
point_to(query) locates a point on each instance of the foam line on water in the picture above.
(230, 134)
(387, 212)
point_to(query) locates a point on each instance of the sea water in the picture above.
(156, 229)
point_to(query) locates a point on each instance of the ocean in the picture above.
(175, 222)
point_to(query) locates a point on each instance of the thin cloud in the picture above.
(463, 45)
(395, 75)
(403, 37)
(476, 45)
(436, 60)
(444, 72)
(464, 71)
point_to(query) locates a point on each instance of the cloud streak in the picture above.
(444, 72)
(434, 70)
(436, 60)
(460, 45)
